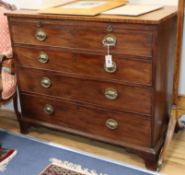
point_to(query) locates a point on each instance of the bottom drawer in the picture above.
(114, 127)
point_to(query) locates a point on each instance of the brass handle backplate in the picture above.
(45, 82)
(111, 69)
(111, 93)
(43, 58)
(48, 109)
(40, 35)
(111, 124)
(109, 40)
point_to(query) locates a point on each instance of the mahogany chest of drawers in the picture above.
(64, 84)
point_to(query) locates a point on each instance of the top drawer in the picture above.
(83, 36)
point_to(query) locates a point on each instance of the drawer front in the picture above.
(83, 36)
(111, 95)
(104, 125)
(125, 70)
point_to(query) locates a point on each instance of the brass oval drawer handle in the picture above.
(48, 109)
(109, 40)
(111, 93)
(111, 124)
(45, 82)
(111, 69)
(43, 58)
(40, 35)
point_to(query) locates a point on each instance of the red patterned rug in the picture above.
(57, 170)
(59, 167)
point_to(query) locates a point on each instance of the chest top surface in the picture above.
(155, 17)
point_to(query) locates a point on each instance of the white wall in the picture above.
(36, 4)
(182, 70)
(165, 2)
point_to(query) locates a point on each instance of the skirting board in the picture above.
(9, 114)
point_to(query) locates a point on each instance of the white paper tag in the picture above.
(108, 61)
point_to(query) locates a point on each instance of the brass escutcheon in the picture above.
(111, 69)
(45, 82)
(111, 124)
(40, 35)
(111, 93)
(43, 58)
(109, 28)
(39, 24)
(48, 109)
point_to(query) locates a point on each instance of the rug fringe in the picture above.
(74, 167)
(5, 162)
(3, 167)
